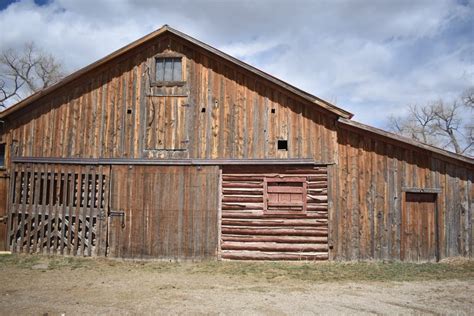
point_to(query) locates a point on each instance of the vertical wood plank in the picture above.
(21, 213)
(63, 210)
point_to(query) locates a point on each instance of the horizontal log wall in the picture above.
(221, 111)
(371, 177)
(170, 212)
(248, 231)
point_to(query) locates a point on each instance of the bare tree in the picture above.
(446, 125)
(27, 71)
(418, 124)
(468, 97)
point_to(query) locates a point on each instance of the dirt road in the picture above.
(45, 286)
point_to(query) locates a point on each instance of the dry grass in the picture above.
(457, 268)
(34, 284)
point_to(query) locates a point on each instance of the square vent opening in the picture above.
(282, 144)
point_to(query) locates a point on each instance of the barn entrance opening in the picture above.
(164, 212)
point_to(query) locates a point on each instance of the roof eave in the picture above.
(75, 75)
(405, 140)
(36, 96)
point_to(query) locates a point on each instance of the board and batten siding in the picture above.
(370, 184)
(221, 111)
(164, 212)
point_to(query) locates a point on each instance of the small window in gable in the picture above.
(287, 194)
(2, 155)
(168, 69)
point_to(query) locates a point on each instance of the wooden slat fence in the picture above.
(58, 209)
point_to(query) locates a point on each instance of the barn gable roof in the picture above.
(167, 29)
(344, 116)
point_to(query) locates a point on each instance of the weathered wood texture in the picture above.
(57, 209)
(249, 230)
(418, 227)
(4, 181)
(221, 111)
(368, 197)
(170, 212)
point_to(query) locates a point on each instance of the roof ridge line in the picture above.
(166, 28)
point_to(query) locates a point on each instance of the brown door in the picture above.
(419, 233)
(166, 128)
(164, 212)
(4, 180)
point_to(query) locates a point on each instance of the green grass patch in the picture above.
(20, 261)
(24, 261)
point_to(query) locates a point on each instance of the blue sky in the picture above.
(373, 58)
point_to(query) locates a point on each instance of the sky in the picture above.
(372, 58)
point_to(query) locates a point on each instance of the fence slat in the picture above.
(43, 209)
(37, 193)
(28, 214)
(24, 196)
(51, 205)
(100, 248)
(12, 203)
(78, 197)
(56, 206)
(71, 216)
(92, 208)
(64, 185)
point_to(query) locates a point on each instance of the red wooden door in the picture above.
(419, 233)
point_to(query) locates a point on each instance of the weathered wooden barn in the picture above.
(169, 148)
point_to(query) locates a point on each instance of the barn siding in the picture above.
(171, 212)
(107, 114)
(4, 181)
(369, 181)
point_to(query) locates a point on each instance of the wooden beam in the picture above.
(421, 190)
(169, 162)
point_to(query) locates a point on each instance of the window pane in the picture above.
(168, 69)
(160, 73)
(2, 155)
(177, 69)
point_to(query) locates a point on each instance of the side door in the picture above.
(419, 231)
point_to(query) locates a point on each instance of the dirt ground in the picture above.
(40, 285)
